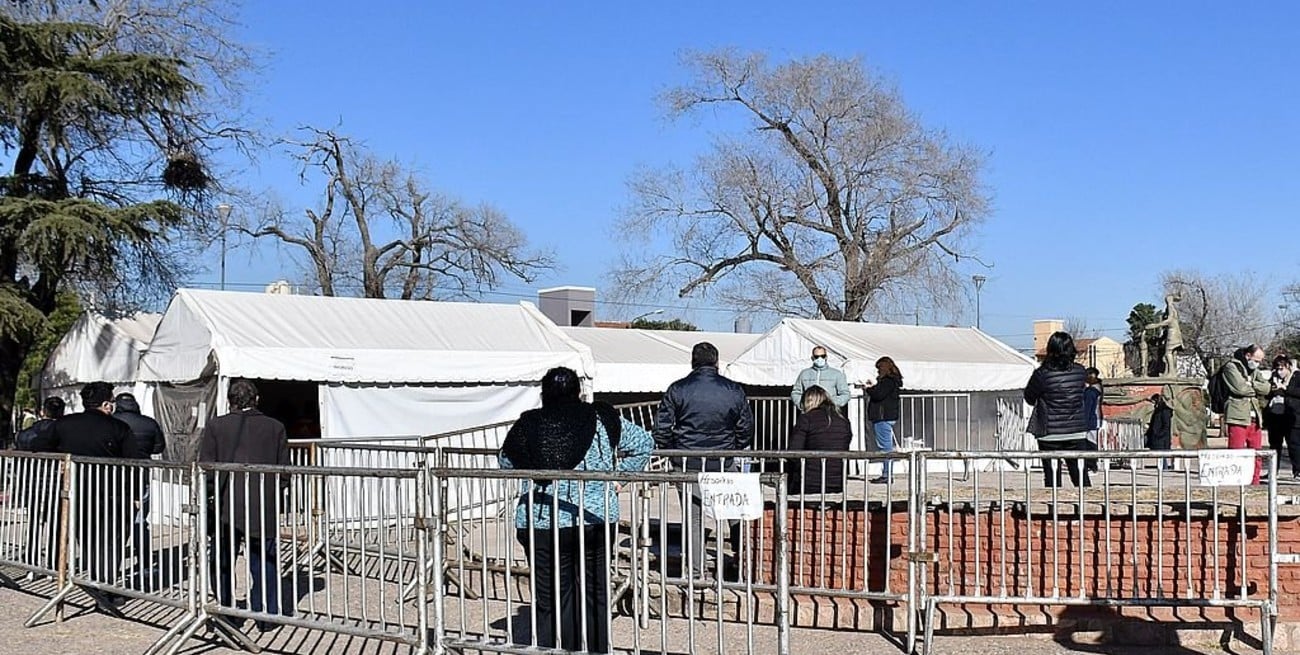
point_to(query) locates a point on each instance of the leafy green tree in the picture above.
(103, 121)
(57, 324)
(674, 324)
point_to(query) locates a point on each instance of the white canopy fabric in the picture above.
(98, 349)
(647, 361)
(355, 340)
(930, 358)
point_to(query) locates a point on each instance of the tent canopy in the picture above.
(98, 349)
(931, 358)
(647, 361)
(355, 340)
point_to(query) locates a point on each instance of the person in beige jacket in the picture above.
(1247, 386)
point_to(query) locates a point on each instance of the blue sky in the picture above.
(1122, 140)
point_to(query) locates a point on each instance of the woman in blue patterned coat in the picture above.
(565, 526)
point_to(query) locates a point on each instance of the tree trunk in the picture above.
(12, 354)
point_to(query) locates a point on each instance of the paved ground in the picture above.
(87, 631)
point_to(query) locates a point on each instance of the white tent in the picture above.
(383, 368)
(97, 349)
(932, 359)
(647, 361)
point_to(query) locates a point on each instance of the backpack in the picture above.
(1217, 389)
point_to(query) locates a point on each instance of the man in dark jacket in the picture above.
(703, 411)
(146, 431)
(245, 504)
(103, 494)
(42, 523)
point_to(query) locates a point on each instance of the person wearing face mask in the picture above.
(820, 374)
(1277, 421)
(1248, 388)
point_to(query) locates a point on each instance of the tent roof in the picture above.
(310, 338)
(99, 349)
(931, 358)
(639, 361)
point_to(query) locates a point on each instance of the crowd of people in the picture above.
(113, 427)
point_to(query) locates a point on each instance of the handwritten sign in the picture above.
(1226, 468)
(731, 496)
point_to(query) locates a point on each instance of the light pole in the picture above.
(223, 210)
(979, 281)
(641, 316)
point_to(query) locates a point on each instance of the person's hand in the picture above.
(869, 383)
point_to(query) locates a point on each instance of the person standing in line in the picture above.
(709, 412)
(1159, 434)
(1092, 412)
(246, 504)
(819, 427)
(146, 430)
(1247, 387)
(1277, 421)
(820, 374)
(104, 516)
(1292, 404)
(43, 510)
(883, 409)
(571, 581)
(1055, 390)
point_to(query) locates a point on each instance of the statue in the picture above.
(1171, 345)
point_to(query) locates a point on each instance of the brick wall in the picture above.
(1024, 550)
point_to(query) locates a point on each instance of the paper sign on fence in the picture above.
(731, 496)
(1226, 468)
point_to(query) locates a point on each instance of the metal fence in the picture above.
(433, 555)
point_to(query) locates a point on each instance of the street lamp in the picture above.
(223, 210)
(979, 281)
(641, 316)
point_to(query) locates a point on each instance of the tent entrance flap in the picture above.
(293, 403)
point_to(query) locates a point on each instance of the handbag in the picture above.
(1037, 421)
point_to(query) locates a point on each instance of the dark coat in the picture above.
(1293, 401)
(145, 429)
(1057, 397)
(885, 404)
(704, 411)
(262, 440)
(818, 430)
(91, 434)
(1159, 435)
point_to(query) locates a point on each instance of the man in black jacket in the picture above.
(104, 498)
(703, 411)
(146, 431)
(246, 504)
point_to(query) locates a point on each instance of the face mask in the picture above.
(819, 362)
(1252, 365)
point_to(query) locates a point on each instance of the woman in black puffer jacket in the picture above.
(1058, 422)
(820, 427)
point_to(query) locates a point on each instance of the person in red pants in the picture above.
(1247, 386)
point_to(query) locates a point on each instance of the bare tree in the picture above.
(834, 202)
(380, 228)
(1218, 313)
(1078, 328)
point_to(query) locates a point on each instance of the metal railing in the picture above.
(414, 555)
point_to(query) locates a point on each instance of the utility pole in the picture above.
(223, 210)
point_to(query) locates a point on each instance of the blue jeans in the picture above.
(884, 441)
(265, 579)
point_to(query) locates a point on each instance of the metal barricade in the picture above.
(501, 601)
(31, 512)
(1149, 537)
(126, 534)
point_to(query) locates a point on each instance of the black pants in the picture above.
(1293, 446)
(1279, 438)
(103, 526)
(577, 587)
(1052, 467)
